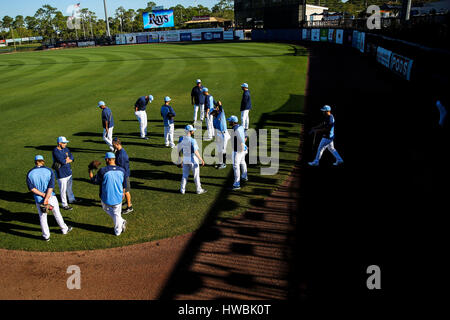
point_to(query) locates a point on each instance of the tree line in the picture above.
(52, 23)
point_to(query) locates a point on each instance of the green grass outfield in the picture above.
(46, 94)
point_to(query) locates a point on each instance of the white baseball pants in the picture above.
(202, 111)
(142, 118)
(245, 120)
(65, 188)
(107, 137)
(53, 201)
(221, 144)
(115, 212)
(187, 168)
(239, 166)
(168, 135)
(209, 126)
(327, 144)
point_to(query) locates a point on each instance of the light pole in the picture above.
(107, 21)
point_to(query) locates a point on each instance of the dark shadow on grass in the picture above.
(184, 281)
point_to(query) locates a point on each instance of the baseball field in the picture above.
(48, 94)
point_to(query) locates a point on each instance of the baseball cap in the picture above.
(326, 108)
(167, 99)
(150, 98)
(101, 103)
(205, 89)
(110, 155)
(244, 85)
(233, 119)
(62, 140)
(189, 128)
(38, 157)
(198, 80)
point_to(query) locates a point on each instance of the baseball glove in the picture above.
(45, 207)
(94, 165)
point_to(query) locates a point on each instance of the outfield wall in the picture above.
(407, 60)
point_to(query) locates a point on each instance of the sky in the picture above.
(29, 7)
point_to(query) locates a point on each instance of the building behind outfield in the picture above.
(269, 14)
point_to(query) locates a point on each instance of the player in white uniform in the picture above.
(107, 123)
(141, 113)
(209, 107)
(222, 135)
(189, 148)
(239, 152)
(41, 182)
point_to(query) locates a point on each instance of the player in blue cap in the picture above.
(209, 107)
(107, 123)
(41, 182)
(198, 100)
(326, 128)
(111, 180)
(141, 114)
(62, 159)
(222, 135)
(188, 148)
(239, 152)
(167, 113)
(246, 106)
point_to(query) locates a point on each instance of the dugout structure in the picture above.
(273, 14)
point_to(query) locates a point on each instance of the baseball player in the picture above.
(209, 107)
(112, 184)
(246, 106)
(239, 152)
(222, 135)
(107, 123)
(123, 161)
(198, 100)
(41, 182)
(327, 130)
(188, 147)
(62, 159)
(139, 110)
(167, 113)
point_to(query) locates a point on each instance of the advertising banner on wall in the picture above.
(401, 65)
(228, 35)
(332, 35)
(131, 39)
(355, 39)
(185, 36)
(141, 39)
(361, 41)
(158, 19)
(315, 34)
(169, 36)
(324, 35)
(196, 36)
(339, 36)
(239, 34)
(153, 37)
(86, 43)
(384, 56)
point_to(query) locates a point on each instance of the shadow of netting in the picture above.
(244, 257)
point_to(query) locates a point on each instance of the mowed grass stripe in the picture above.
(164, 69)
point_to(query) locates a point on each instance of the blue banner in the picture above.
(185, 37)
(158, 19)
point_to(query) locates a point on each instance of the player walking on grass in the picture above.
(209, 107)
(62, 159)
(141, 113)
(112, 184)
(41, 182)
(167, 113)
(222, 135)
(188, 147)
(246, 106)
(239, 152)
(198, 100)
(327, 130)
(107, 123)
(123, 161)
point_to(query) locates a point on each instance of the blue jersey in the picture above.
(246, 102)
(239, 138)
(123, 161)
(197, 95)
(107, 116)
(112, 182)
(141, 103)
(188, 146)
(167, 113)
(60, 156)
(41, 178)
(209, 103)
(220, 121)
(329, 127)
